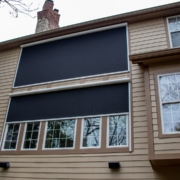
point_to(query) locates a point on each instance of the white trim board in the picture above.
(62, 88)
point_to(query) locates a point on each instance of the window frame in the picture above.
(161, 104)
(5, 133)
(127, 131)
(169, 32)
(100, 133)
(45, 131)
(24, 134)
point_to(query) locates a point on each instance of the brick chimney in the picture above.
(47, 18)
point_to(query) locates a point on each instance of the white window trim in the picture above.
(24, 134)
(6, 128)
(100, 134)
(127, 128)
(161, 103)
(169, 33)
(70, 148)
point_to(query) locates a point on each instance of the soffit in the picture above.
(156, 56)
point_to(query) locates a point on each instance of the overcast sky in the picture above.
(72, 12)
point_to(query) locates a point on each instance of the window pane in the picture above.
(33, 144)
(31, 137)
(48, 143)
(177, 126)
(170, 92)
(26, 144)
(91, 131)
(60, 134)
(168, 128)
(172, 24)
(13, 145)
(117, 131)
(7, 144)
(11, 136)
(175, 36)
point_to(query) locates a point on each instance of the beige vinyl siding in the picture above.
(165, 145)
(8, 63)
(147, 36)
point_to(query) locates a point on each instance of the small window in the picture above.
(60, 134)
(174, 31)
(31, 135)
(91, 132)
(169, 90)
(117, 131)
(11, 137)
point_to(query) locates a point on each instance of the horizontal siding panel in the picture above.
(138, 89)
(140, 140)
(138, 99)
(140, 124)
(166, 141)
(137, 71)
(149, 49)
(137, 76)
(170, 146)
(81, 176)
(146, 42)
(148, 45)
(140, 129)
(167, 152)
(137, 109)
(148, 38)
(147, 31)
(138, 94)
(145, 24)
(141, 146)
(148, 27)
(150, 34)
(140, 135)
(138, 104)
(138, 85)
(140, 119)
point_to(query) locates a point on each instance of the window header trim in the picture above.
(62, 88)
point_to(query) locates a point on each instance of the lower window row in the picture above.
(61, 134)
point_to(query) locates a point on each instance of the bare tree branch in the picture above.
(18, 6)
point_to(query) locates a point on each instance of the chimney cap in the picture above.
(57, 10)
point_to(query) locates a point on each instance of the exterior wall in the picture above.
(134, 165)
(81, 166)
(148, 36)
(161, 145)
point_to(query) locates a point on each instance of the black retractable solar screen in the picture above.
(79, 56)
(70, 103)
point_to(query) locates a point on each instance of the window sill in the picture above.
(67, 151)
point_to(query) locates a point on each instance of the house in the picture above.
(78, 99)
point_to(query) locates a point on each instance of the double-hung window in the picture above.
(91, 132)
(31, 135)
(169, 91)
(117, 131)
(174, 30)
(11, 137)
(60, 134)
